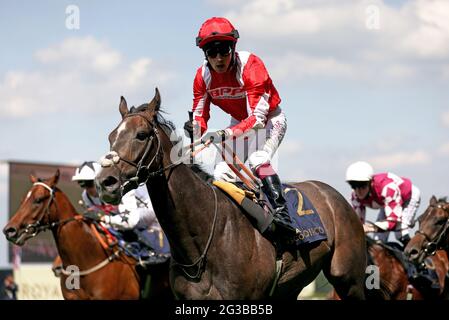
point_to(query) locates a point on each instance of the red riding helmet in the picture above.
(216, 29)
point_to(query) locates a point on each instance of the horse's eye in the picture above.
(441, 222)
(142, 135)
(38, 200)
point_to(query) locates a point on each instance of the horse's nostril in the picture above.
(10, 232)
(110, 181)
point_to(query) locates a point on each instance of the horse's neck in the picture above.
(74, 238)
(176, 197)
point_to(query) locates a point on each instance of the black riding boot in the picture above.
(282, 223)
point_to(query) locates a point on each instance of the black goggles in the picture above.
(224, 50)
(358, 184)
(86, 183)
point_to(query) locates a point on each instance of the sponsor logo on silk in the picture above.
(227, 93)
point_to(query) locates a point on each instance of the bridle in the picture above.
(33, 229)
(143, 174)
(434, 244)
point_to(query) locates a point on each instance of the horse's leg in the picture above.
(346, 268)
(160, 286)
(154, 282)
(346, 274)
(346, 256)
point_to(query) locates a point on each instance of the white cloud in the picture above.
(294, 65)
(445, 119)
(400, 158)
(336, 35)
(431, 36)
(70, 73)
(86, 53)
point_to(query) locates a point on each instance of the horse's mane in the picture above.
(170, 129)
(442, 199)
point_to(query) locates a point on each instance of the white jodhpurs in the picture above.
(407, 219)
(258, 146)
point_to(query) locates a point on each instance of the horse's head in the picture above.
(134, 151)
(34, 211)
(432, 233)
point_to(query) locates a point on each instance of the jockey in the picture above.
(133, 217)
(397, 198)
(239, 84)
(85, 175)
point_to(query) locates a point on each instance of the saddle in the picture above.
(260, 213)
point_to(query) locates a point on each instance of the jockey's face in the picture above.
(219, 56)
(89, 186)
(362, 192)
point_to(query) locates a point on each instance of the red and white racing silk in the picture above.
(387, 191)
(246, 92)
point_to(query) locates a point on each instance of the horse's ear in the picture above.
(433, 201)
(155, 104)
(33, 178)
(123, 108)
(54, 180)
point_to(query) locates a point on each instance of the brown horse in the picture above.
(432, 240)
(216, 252)
(103, 273)
(393, 279)
(393, 275)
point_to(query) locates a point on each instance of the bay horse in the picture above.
(393, 279)
(432, 240)
(105, 274)
(392, 272)
(216, 251)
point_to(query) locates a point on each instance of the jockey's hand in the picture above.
(216, 136)
(368, 227)
(93, 215)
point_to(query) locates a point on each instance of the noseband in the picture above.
(435, 243)
(34, 228)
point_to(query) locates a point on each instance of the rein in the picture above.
(201, 259)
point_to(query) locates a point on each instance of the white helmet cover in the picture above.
(87, 171)
(359, 171)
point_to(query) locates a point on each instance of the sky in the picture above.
(359, 80)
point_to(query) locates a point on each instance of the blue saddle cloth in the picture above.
(142, 244)
(304, 216)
